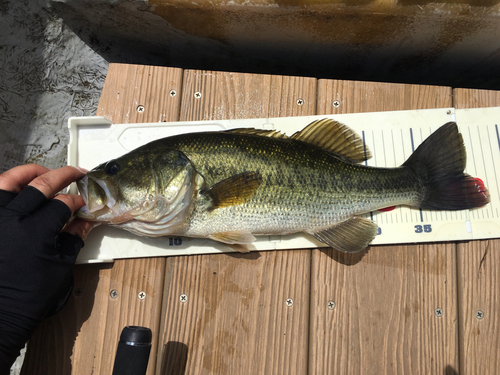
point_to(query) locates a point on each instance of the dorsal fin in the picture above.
(336, 137)
(260, 132)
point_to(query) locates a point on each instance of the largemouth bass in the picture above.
(233, 185)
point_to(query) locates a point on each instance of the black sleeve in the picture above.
(36, 266)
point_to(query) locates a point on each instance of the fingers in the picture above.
(49, 183)
(74, 202)
(80, 228)
(55, 180)
(17, 178)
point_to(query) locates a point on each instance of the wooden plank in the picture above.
(470, 98)
(236, 319)
(384, 317)
(83, 337)
(478, 279)
(360, 96)
(154, 88)
(50, 350)
(226, 95)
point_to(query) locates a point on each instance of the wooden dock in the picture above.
(412, 309)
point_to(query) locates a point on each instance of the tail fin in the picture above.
(439, 162)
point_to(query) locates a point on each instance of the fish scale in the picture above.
(316, 186)
(232, 185)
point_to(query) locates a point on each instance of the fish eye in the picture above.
(112, 167)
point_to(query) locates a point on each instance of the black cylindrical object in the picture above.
(132, 355)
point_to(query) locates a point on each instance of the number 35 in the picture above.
(426, 228)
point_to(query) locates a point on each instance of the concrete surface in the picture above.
(47, 74)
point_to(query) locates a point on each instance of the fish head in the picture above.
(141, 185)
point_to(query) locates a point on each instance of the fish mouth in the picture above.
(82, 188)
(98, 197)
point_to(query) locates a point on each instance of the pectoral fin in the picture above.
(351, 236)
(234, 190)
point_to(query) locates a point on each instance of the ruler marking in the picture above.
(366, 161)
(498, 137)
(493, 162)
(413, 150)
(403, 144)
(393, 148)
(383, 148)
(393, 215)
(498, 140)
(482, 156)
(364, 146)
(472, 151)
(412, 144)
(400, 214)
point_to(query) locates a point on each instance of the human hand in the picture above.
(37, 250)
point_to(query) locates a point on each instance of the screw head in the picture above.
(173, 93)
(448, 112)
(197, 95)
(140, 109)
(438, 312)
(141, 295)
(78, 292)
(300, 101)
(183, 298)
(289, 302)
(479, 314)
(113, 294)
(336, 104)
(331, 305)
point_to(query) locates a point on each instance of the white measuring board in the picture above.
(391, 137)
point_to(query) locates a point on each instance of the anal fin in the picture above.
(350, 236)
